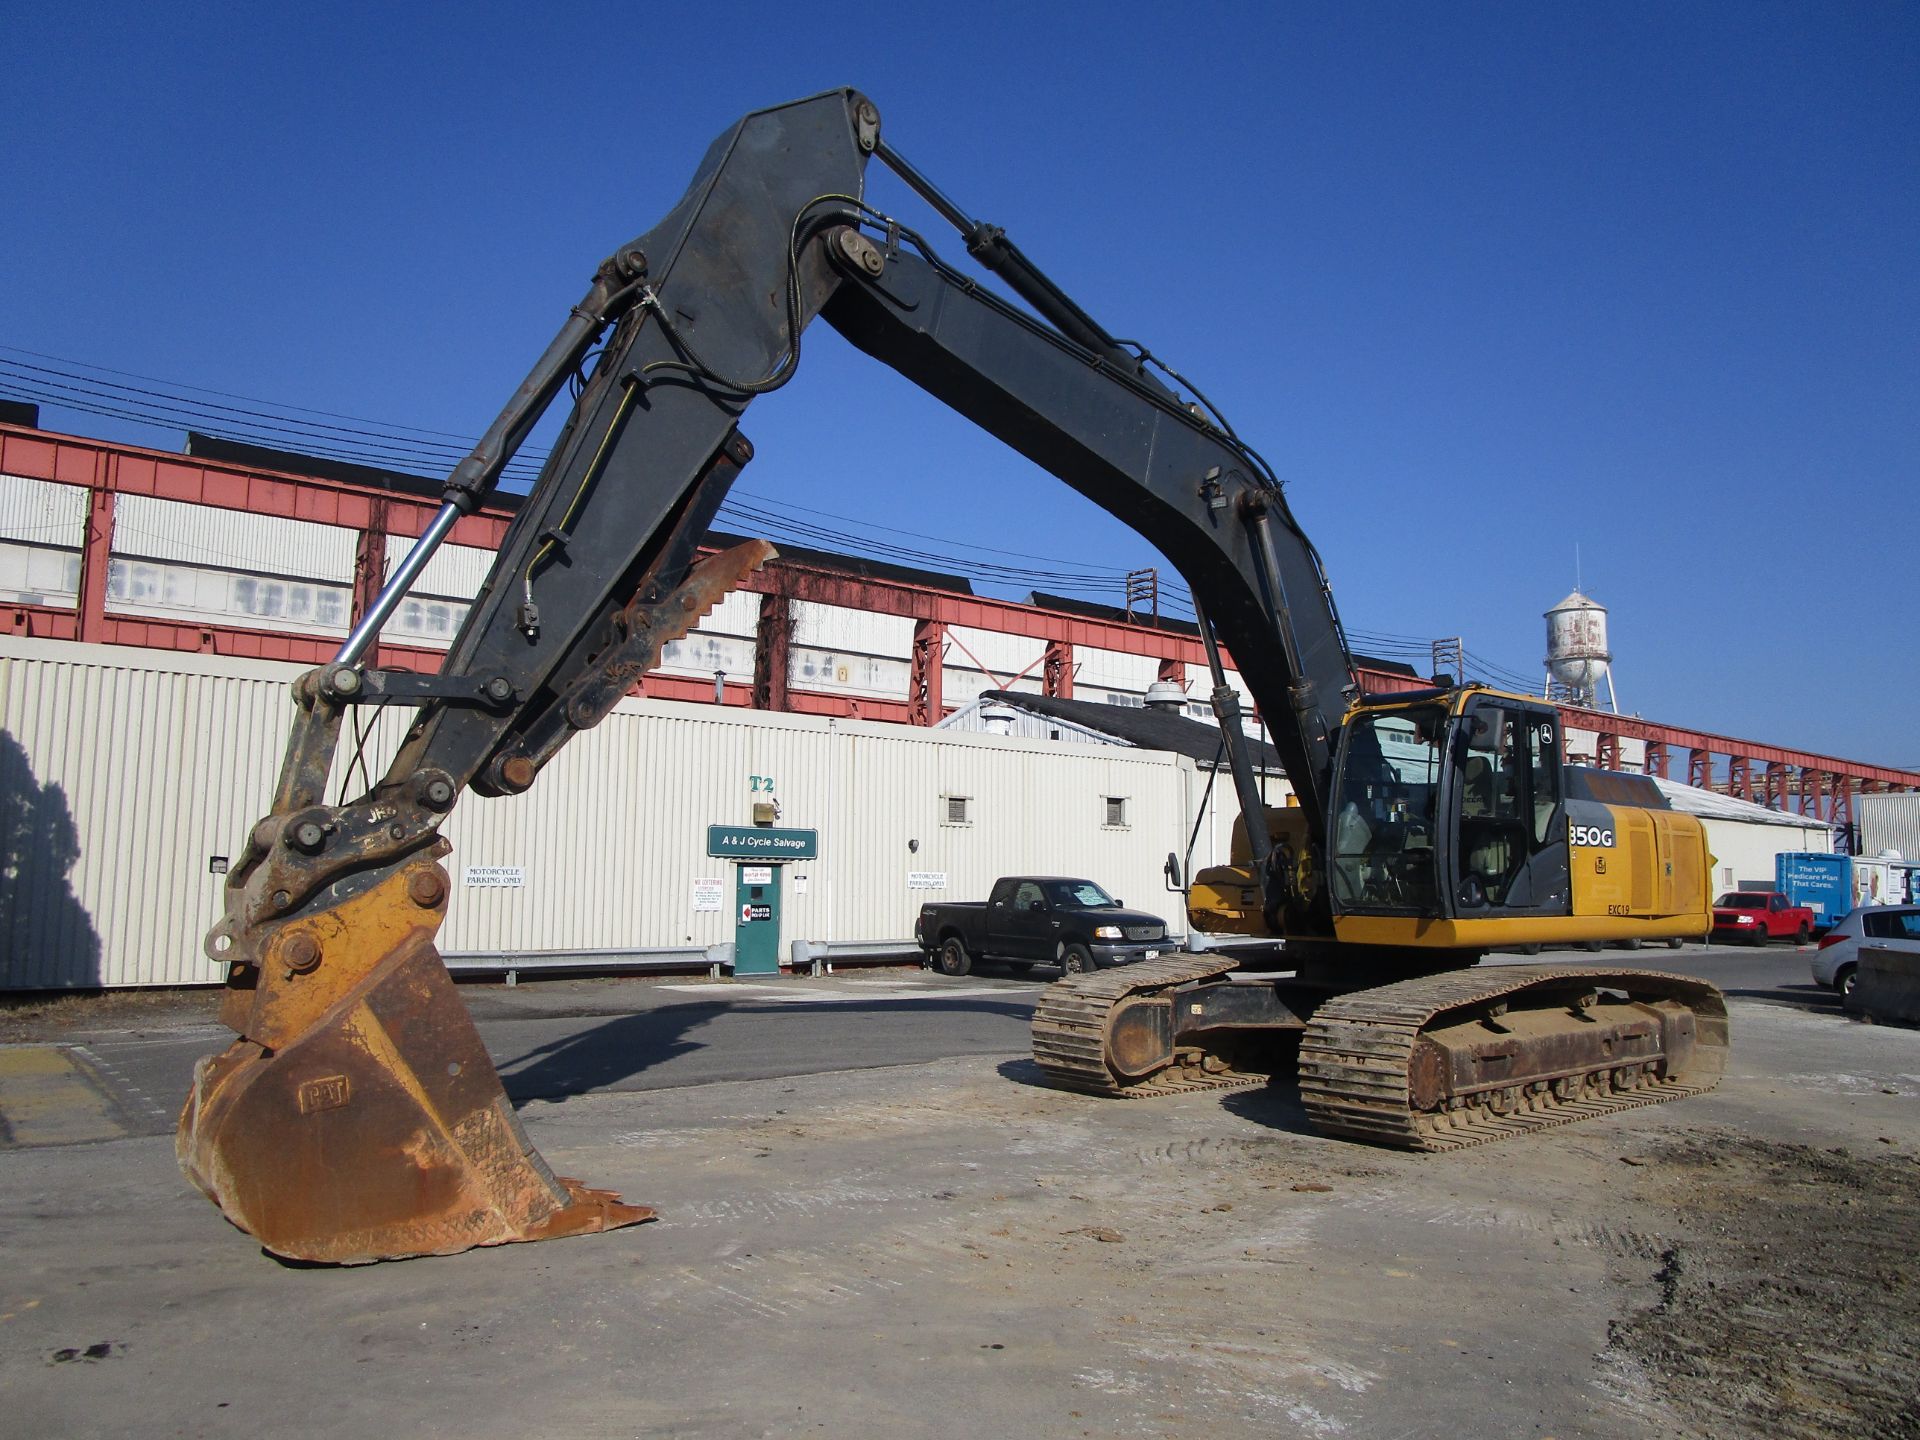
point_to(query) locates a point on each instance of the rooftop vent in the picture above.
(1165, 695)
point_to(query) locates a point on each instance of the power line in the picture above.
(228, 395)
(78, 386)
(163, 404)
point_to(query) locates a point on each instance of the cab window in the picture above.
(1509, 775)
(1385, 809)
(1543, 759)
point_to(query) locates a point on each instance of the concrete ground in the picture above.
(943, 1248)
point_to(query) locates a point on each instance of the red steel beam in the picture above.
(1632, 727)
(129, 470)
(926, 699)
(773, 652)
(111, 468)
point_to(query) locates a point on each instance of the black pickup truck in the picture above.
(1039, 920)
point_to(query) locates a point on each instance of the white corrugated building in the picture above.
(1889, 822)
(128, 774)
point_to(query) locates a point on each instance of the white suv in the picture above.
(1893, 927)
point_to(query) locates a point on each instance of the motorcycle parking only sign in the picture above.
(495, 877)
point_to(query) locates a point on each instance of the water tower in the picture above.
(1578, 660)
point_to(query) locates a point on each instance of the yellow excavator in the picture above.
(357, 1116)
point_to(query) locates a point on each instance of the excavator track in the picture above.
(1070, 1030)
(1358, 1055)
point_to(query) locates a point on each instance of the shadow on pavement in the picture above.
(1815, 999)
(626, 1045)
(1038, 976)
(1275, 1105)
(605, 1054)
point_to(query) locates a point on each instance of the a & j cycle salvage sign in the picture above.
(753, 842)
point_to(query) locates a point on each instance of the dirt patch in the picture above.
(1788, 1303)
(40, 1015)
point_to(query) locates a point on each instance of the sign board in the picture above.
(495, 877)
(756, 874)
(709, 895)
(800, 883)
(750, 913)
(926, 880)
(753, 842)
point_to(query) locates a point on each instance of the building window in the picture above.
(1116, 811)
(958, 809)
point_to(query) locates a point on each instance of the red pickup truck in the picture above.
(1753, 917)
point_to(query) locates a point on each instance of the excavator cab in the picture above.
(1449, 807)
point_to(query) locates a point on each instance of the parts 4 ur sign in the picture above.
(756, 842)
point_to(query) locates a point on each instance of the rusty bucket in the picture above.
(358, 1116)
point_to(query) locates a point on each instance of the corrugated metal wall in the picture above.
(455, 572)
(43, 512)
(843, 651)
(1111, 671)
(1216, 809)
(1003, 656)
(42, 527)
(1889, 822)
(863, 632)
(122, 771)
(1743, 853)
(233, 539)
(119, 775)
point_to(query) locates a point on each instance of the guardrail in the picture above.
(714, 959)
(811, 957)
(818, 957)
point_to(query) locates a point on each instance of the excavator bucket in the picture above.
(358, 1117)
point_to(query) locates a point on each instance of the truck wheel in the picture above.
(1803, 934)
(1674, 942)
(1630, 944)
(1758, 937)
(953, 958)
(1075, 960)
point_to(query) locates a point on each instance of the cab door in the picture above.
(1506, 812)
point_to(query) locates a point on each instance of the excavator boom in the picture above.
(357, 1116)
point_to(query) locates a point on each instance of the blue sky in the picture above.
(1483, 282)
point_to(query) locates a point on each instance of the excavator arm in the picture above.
(357, 1116)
